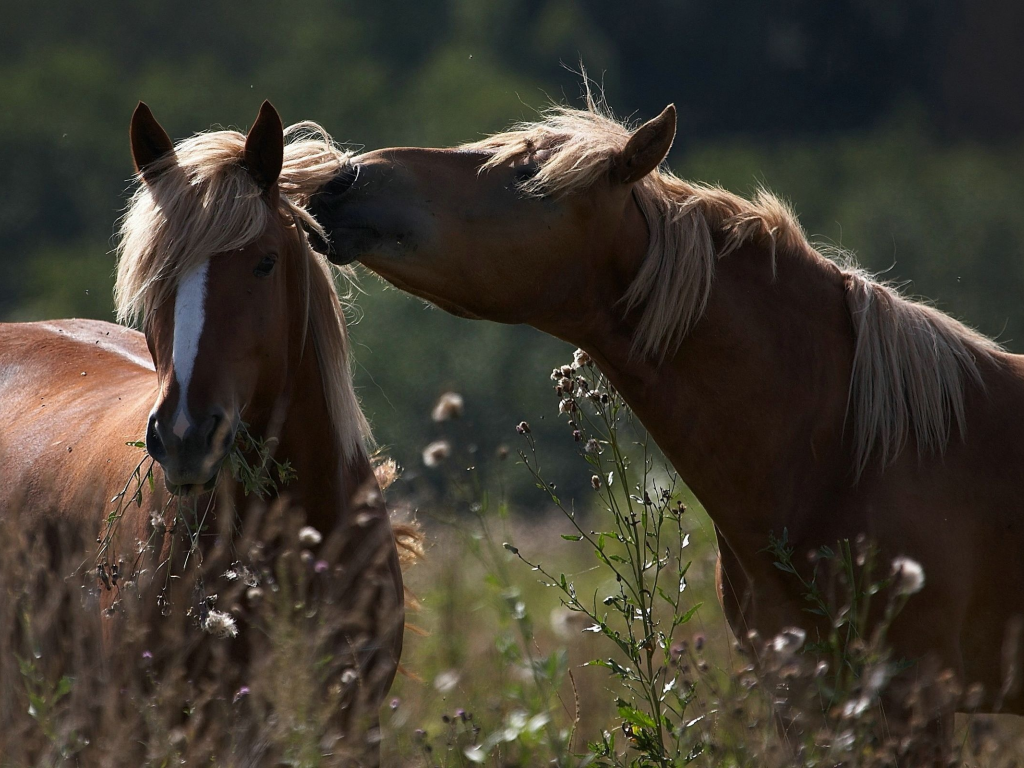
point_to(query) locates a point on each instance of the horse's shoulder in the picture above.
(77, 339)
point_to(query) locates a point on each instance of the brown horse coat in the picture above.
(789, 391)
(264, 345)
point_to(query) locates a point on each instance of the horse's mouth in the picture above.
(191, 489)
(192, 484)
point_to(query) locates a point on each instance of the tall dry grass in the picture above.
(588, 635)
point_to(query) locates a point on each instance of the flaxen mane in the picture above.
(201, 201)
(911, 362)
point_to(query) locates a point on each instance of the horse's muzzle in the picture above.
(192, 461)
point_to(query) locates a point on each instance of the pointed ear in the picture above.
(646, 148)
(149, 140)
(264, 148)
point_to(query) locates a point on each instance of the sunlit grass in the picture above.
(525, 648)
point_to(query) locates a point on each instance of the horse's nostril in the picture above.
(154, 444)
(213, 428)
(318, 242)
(227, 438)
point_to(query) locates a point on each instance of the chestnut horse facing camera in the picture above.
(789, 391)
(242, 324)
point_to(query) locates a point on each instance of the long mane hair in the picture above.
(200, 201)
(911, 362)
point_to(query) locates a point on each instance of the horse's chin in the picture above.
(453, 309)
(437, 301)
(191, 489)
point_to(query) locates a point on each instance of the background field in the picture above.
(896, 128)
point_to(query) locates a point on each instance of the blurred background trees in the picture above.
(896, 128)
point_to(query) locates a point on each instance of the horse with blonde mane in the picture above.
(243, 330)
(790, 391)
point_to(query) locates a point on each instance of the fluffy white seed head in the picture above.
(220, 624)
(309, 536)
(435, 453)
(908, 576)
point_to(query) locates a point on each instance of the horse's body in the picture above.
(257, 339)
(783, 465)
(73, 393)
(789, 392)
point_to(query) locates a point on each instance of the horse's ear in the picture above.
(264, 148)
(646, 148)
(150, 141)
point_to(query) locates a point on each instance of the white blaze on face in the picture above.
(189, 314)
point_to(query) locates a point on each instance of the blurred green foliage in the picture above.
(852, 109)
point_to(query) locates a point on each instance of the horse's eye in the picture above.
(526, 171)
(341, 183)
(266, 266)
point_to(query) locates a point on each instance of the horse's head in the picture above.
(504, 229)
(218, 324)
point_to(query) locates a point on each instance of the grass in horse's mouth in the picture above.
(190, 489)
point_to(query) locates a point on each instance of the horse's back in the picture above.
(72, 394)
(56, 344)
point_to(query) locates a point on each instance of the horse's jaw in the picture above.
(191, 489)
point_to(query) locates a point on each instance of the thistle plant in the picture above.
(810, 699)
(254, 467)
(524, 729)
(836, 688)
(251, 464)
(642, 547)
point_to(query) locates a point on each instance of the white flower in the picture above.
(309, 536)
(220, 624)
(856, 707)
(537, 722)
(592, 447)
(843, 741)
(908, 576)
(517, 719)
(436, 452)
(788, 641)
(876, 678)
(448, 406)
(446, 681)
(580, 359)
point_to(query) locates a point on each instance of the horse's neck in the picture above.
(751, 410)
(327, 483)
